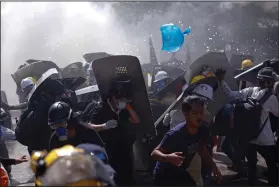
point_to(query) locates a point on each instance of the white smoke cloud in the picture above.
(63, 32)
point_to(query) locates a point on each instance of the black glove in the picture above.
(220, 74)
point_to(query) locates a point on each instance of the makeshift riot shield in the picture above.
(214, 60)
(251, 74)
(168, 96)
(35, 69)
(90, 57)
(108, 69)
(46, 85)
(73, 83)
(74, 70)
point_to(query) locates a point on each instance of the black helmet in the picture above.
(59, 112)
(266, 73)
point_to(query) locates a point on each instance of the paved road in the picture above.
(23, 173)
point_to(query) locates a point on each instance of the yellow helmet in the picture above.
(34, 79)
(246, 64)
(197, 78)
(58, 167)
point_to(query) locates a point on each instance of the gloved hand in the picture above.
(220, 74)
(110, 124)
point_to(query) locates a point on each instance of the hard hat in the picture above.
(204, 90)
(161, 75)
(211, 80)
(197, 78)
(87, 169)
(246, 64)
(27, 82)
(33, 79)
(59, 112)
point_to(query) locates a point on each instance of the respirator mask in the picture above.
(61, 131)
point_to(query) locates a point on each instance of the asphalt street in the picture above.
(23, 173)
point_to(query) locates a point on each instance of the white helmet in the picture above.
(26, 82)
(204, 90)
(161, 75)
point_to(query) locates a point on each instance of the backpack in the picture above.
(247, 116)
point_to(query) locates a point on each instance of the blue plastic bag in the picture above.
(172, 37)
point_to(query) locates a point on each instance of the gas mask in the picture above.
(61, 131)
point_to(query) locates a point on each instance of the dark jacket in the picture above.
(101, 113)
(33, 130)
(7, 161)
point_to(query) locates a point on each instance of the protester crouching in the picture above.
(183, 149)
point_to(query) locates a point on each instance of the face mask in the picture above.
(121, 105)
(160, 84)
(62, 133)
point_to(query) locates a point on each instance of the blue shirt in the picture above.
(179, 140)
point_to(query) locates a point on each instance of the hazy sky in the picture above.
(63, 32)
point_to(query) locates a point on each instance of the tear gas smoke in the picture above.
(63, 32)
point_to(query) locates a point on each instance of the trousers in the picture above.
(269, 153)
